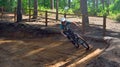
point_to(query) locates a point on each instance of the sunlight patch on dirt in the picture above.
(52, 45)
(86, 58)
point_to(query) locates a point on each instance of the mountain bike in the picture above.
(76, 39)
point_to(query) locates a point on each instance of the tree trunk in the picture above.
(44, 2)
(29, 9)
(19, 11)
(108, 3)
(35, 9)
(69, 3)
(57, 6)
(52, 4)
(102, 1)
(97, 4)
(83, 6)
(94, 7)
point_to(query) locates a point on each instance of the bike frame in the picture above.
(71, 34)
(76, 39)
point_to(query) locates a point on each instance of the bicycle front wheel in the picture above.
(83, 43)
(76, 45)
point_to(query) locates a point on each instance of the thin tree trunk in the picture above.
(83, 6)
(94, 7)
(69, 3)
(108, 3)
(57, 6)
(103, 3)
(44, 2)
(52, 4)
(35, 9)
(19, 11)
(97, 4)
(29, 9)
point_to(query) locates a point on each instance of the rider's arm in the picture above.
(63, 33)
(75, 23)
(61, 30)
(68, 22)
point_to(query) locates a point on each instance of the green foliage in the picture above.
(114, 10)
(69, 11)
(116, 6)
(43, 8)
(93, 9)
(8, 5)
(76, 6)
(118, 17)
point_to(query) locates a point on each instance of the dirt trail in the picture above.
(52, 51)
(45, 52)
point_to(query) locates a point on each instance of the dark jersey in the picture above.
(64, 27)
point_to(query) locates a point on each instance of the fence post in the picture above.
(15, 14)
(65, 15)
(2, 12)
(29, 14)
(104, 25)
(46, 21)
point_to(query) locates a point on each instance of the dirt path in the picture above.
(110, 57)
(51, 51)
(46, 52)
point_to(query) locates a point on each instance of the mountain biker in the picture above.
(64, 25)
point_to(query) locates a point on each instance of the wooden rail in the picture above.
(49, 12)
(3, 12)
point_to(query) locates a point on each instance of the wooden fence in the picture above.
(54, 19)
(3, 12)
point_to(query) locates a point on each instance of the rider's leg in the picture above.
(72, 42)
(67, 34)
(70, 37)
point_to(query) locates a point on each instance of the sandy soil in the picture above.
(44, 52)
(110, 57)
(47, 51)
(55, 50)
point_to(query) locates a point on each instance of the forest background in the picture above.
(95, 7)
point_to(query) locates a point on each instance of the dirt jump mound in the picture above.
(24, 30)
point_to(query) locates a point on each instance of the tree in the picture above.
(35, 9)
(69, 3)
(102, 1)
(94, 6)
(19, 11)
(52, 4)
(108, 3)
(83, 6)
(57, 6)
